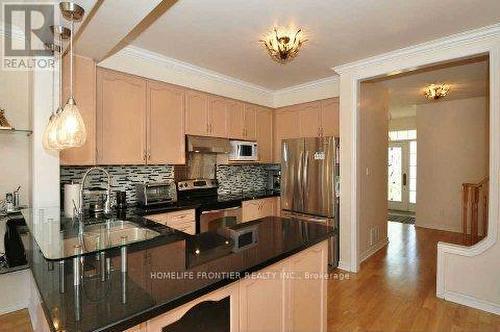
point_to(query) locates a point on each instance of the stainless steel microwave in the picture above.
(244, 151)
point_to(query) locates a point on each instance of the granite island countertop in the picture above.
(162, 274)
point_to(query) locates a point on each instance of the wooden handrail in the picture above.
(472, 195)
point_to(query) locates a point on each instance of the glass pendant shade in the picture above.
(50, 141)
(70, 131)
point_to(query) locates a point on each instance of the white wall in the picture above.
(403, 123)
(15, 89)
(372, 169)
(15, 288)
(452, 149)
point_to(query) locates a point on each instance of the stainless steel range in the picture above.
(211, 208)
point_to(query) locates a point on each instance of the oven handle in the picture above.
(222, 210)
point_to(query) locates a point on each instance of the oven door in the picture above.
(211, 220)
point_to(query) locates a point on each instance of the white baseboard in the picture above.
(344, 266)
(373, 249)
(12, 308)
(439, 227)
(472, 302)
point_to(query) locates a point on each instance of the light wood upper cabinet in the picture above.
(84, 91)
(197, 113)
(264, 134)
(217, 116)
(165, 124)
(121, 118)
(241, 120)
(236, 120)
(285, 124)
(310, 119)
(330, 117)
(250, 119)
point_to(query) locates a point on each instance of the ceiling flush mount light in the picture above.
(70, 129)
(436, 91)
(283, 45)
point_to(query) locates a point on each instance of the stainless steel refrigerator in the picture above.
(309, 183)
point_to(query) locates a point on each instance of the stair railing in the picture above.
(474, 209)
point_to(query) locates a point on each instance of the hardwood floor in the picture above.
(395, 290)
(18, 321)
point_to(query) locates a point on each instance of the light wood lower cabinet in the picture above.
(307, 308)
(290, 295)
(184, 221)
(258, 208)
(262, 301)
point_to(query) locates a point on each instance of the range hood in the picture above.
(208, 144)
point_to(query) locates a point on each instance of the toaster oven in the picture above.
(149, 194)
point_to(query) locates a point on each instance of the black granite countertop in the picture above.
(163, 273)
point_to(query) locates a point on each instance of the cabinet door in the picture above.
(267, 209)
(310, 120)
(236, 120)
(197, 113)
(217, 115)
(84, 91)
(262, 302)
(250, 118)
(166, 143)
(277, 207)
(121, 118)
(250, 210)
(307, 302)
(330, 117)
(264, 134)
(286, 126)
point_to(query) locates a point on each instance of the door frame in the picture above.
(481, 41)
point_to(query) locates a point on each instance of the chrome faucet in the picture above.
(107, 204)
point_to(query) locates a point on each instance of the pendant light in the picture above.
(50, 141)
(71, 130)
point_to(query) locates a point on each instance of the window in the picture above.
(403, 135)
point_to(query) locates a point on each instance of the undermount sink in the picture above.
(108, 235)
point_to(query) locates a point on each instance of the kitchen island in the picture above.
(274, 280)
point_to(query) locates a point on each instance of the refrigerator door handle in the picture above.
(304, 179)
(300, 176)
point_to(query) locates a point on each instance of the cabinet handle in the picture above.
(149, 154)
(144, 155)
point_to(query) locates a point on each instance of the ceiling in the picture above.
(465, 80)
(222, 35)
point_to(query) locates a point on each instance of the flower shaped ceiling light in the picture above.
(436, 91)
(282, 44)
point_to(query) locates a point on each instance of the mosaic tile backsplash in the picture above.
(122, 177)
(232, 178)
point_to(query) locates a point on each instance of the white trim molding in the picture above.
(373, 249)
(141, 62)
(152, 65)
(453, 261)
(320, 89)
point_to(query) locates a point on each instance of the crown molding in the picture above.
(460, 39)
(178, 72)
(308, 85)
(187, 67)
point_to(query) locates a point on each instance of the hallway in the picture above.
(395, 290)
